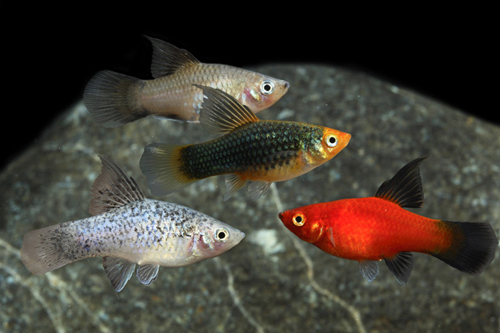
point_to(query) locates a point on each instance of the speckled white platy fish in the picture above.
(128, 229)
(115, 99)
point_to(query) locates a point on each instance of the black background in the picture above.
(50, 53)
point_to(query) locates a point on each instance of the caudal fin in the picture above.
(109, 98)
(473, 247)
(42, 251)
(163, 168)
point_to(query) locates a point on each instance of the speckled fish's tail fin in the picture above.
(162, 165)
(43, 250)
(472, 248)
(109, 97)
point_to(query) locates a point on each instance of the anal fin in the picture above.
(118, 270)
(401, 265)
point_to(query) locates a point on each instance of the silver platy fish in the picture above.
(128, 229)
(114, 99)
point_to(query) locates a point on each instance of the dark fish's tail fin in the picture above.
(43, 252)
(473, 246)
(109, 98)
(163, 167)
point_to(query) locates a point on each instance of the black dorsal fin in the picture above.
(405, 188)
(222, 113)
(167, 58)
(112, 189)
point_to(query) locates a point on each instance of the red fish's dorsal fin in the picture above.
(405, 188)
(167, 58)
(113, 189)
(222, 113)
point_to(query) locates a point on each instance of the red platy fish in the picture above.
(378, 228)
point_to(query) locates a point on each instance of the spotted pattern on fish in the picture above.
(258, 146)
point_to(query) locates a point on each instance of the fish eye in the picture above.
(267, 87)
(299, 219)
(221, 234)
(331, 140)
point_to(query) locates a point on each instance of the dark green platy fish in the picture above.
(262, 152)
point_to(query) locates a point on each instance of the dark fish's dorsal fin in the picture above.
(118, 270)
(112, 189)
(222, 113)
(167, 58)
(405, 188)
(400, 265)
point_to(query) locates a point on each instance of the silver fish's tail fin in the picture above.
(43, 250)
(109, 97)
(472, 247)
(163, 167)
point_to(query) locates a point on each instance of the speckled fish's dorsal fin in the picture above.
(167, 58)
(222, 113)
(118, 270)
(147, 273)
(405, 188)
(112, 189)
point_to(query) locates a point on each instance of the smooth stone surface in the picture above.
(272, 281)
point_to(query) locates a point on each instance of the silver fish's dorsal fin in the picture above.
(147, 273)
(112, 189)
(118, 270)
(221, 113)
(167, 58)
(405, 188)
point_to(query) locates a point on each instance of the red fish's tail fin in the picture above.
(109, 99)
(163, 167)
(473, 246)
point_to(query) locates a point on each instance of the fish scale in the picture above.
(256, 146)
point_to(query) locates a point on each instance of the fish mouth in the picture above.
(280, 215)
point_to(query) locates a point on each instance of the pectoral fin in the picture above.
(369, 269)
(258, 188)
(147, 273)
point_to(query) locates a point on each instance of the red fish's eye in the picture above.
(299, 219)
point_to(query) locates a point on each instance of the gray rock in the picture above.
(272, 281)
